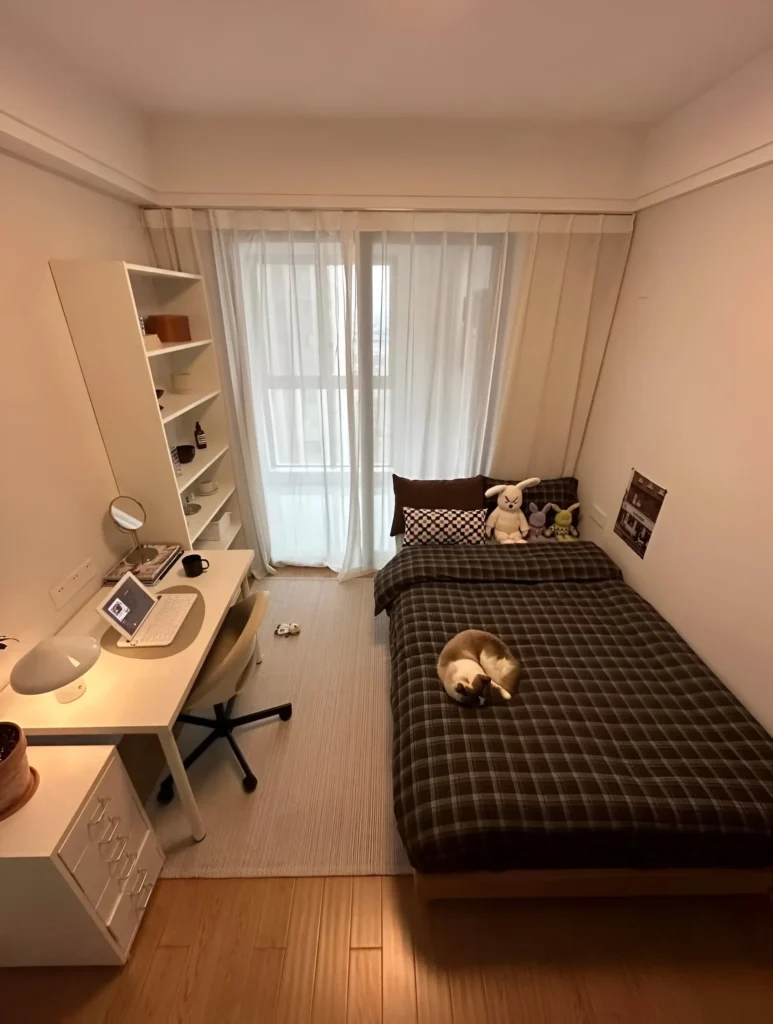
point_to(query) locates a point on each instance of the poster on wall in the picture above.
(639, 511)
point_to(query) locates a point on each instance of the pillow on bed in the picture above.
(444, 526)
(463, 494)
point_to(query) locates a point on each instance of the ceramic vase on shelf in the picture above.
(18, 781)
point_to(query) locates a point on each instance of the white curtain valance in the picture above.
(419, 221)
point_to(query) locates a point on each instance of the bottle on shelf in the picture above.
(199, 436)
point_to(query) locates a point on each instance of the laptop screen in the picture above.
(128, 605)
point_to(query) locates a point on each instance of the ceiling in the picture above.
(622, 60)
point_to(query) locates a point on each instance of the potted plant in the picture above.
(17, 780)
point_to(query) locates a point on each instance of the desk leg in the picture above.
(180, 776)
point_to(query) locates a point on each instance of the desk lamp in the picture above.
(56, 664)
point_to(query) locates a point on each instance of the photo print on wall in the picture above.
(639, 511)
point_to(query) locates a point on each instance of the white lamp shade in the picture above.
(54, 662)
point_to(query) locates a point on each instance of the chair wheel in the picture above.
(249, 784)
(165, 794)
(286, 713)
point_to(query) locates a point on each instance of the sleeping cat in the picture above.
(475, 666)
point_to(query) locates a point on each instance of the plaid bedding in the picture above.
(620, 747)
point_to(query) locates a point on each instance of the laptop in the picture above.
(144, 619)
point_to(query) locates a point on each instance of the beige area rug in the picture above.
(324, 800)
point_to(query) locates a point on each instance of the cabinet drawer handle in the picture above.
(122, 842)
(131, 861)
(110, 833)
(105, 802)
(142, 878)
(145, 898)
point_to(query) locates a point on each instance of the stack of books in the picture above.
(148, 572)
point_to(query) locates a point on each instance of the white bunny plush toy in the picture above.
(507, 522)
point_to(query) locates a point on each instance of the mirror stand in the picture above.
(129, 516)
(141, 553)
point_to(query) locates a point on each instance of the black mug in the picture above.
(194, 565)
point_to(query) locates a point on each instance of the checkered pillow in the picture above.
(444, 526)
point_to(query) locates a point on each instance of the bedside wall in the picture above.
(684, 397)
(55, 479)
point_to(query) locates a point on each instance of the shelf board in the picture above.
(220, 545)
(177, 405)
(193, 470)
(166, 350)
(210, 506)
(136, 268)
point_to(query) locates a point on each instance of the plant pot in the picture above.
(17, 780)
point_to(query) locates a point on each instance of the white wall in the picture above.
(685, 397)
(55, 479)
(51, 111)
(727, 130)
(445, 164)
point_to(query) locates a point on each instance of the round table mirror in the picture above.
(129, 516)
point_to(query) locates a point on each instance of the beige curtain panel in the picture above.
(565, 295)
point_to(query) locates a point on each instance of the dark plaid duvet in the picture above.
(619, 748)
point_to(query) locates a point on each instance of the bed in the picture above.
(621, 750)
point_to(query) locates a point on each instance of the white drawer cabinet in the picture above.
(78, 863)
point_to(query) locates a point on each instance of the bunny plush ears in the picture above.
(571, 508)
(533, 507)
(498, 488)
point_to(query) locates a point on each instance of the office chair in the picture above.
(227, 668)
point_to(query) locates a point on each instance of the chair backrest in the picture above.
(221, 675)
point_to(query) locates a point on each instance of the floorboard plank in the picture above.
(433, 993)
(332, 973)
(398, 979)
(274, 917)
(366, 912)
(227, 989)
(262, 989)
(209, 924)
(158, 999)
(296, 986)
(364, 1006)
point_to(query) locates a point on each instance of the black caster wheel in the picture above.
(249, 784)
(165, 794)
(285, 714)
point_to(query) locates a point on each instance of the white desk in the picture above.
(126, 694)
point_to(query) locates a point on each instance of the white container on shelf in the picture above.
(217, 528)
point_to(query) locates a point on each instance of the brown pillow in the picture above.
(465, 493)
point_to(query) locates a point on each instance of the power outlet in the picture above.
(70, 585)
(598, 515)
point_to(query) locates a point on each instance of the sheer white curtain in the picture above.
(425, 344)
(370, 352)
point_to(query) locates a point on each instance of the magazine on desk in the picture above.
(149, 572)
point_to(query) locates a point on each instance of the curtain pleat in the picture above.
(568, 289)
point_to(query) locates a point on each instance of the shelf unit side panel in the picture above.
(101, 315)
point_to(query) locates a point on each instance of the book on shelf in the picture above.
(148, 572)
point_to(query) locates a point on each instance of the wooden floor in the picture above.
(359, 950)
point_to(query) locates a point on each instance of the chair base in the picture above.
(222, 726)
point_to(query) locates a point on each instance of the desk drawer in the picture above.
(93, 821)
(108, 830)
(137, 890)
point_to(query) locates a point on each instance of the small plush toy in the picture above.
(563, 529)
(507, 522)
(537, 521)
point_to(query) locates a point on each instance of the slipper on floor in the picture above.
(287, 629)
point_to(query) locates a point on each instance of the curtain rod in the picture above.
(394, 209)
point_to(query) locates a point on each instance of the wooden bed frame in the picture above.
(593, 882)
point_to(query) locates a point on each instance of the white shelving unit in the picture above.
(103, 302)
